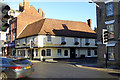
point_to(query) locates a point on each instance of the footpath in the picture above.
(94, 67)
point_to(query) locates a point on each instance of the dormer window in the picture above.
(49, 39)
(76, 41)
(63, 40)
(87, 41)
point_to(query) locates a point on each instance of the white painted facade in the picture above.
(41, 43)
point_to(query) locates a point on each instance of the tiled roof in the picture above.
(59, 28)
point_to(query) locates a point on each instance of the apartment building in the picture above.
(51, 39)
(108, 17)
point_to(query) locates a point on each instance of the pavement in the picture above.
(82, 63)
(100, 69)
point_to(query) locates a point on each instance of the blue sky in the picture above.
(69, 10)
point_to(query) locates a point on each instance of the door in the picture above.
(72, 53)
(31, 54)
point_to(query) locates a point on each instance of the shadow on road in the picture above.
(115, 74)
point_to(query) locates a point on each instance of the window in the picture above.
(59, 52)
(111, 52)
(26, 40)
(86, 40)
(9, 37)
(66, 53)
(33, 38)
(110, 29)
(14, 34)
(4, 62)
(95, 41)
(36, 52)
(75, 39)
(43, 52)
(22, 53)
(95, 52)
(89, 53)
(48, 52)
(109, 9)
(62, 39)
(49, 39)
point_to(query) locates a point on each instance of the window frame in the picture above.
(113, 49)
(50, 53)
(89, 50)
(87, 40)
(67, 52)
(75, 39)
(49, 38)
(59, 54)
(63, 39)
(110, 28)
(109, 9)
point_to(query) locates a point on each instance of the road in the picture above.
(54, 71)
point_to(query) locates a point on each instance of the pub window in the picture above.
(89, 52)
(59, 52)
(66, 53)
(43, 52)
(36, 52)
(49, 38)
(48, 52)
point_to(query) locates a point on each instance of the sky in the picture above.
(75, 10)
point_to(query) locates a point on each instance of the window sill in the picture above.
(111, 59)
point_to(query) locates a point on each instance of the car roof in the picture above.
(9, 58)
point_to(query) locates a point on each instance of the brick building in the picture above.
(108, 17)
(19, 19)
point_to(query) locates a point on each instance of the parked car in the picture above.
(15, 67)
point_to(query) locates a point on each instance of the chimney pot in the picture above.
(26, 4)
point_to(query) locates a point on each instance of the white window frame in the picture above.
(87, 40)
(76, 39)
(90, 53)
(62, 39)
(59, 54)
(47, 53)
(49, 39)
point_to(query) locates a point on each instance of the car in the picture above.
(15, 67)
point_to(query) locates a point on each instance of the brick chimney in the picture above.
(90, 22)
(26, 4)
(40, 11)
(21, 8)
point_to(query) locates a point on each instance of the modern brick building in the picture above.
(19, 19)
(108, 17)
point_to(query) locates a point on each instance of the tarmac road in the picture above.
(64, 71)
